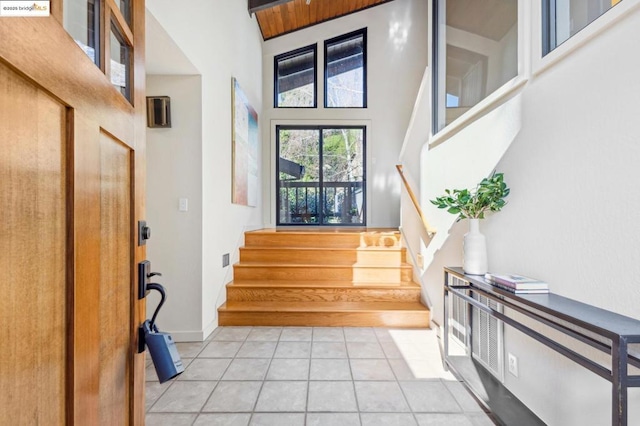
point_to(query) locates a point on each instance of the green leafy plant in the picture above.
(488, 195)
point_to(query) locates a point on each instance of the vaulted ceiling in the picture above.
(278, 17)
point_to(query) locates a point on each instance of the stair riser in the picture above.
(292, 273)
(324, 240)
(343, 277)
(326, 257)
(271, 294)
(417, 319)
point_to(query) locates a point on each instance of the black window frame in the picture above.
(291, 54)
(320, 129)
(435, 74)
(344, 37)
(548, 26)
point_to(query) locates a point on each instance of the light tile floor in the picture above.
(290, 376)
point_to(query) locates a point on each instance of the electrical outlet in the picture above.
(420, 260)
(513, 364)
(225, 260)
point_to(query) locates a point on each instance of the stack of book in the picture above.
(518, 284)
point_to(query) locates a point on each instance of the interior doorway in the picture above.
(321, 175)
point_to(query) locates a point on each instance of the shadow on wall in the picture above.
(460, 162)
(449, 254)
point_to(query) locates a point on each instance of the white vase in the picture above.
(475, 250)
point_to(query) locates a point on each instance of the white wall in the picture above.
(572, 164)
(174, 171)
(396, 59)
(573, 171)
(220, 40)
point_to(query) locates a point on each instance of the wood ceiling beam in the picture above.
(257, 5)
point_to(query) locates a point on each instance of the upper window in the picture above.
(345, 70)
(120, 62)
(125, 8)
(82, 21)
(475, 53)
(562, 19)
(295, 79)
(102, 29)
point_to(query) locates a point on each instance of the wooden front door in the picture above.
(71, 193)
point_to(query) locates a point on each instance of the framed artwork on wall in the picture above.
(244, 171)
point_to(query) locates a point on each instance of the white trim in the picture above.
(608, 19)
(422, 92)
(503, 93)
(417, 271)
(210, 328)
(195, 335)
(187, 336)
(525, 39)
(498, 97)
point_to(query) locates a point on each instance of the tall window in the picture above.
(321, 175)
(345, 68)
(476, 52)
(295, 79)
(562, 19)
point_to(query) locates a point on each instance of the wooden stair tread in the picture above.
(323, 306)
(324, 277)
(346, 249)
(323, 284)
(311, 265)
(323, 230)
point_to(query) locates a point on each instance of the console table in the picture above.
(604, 330)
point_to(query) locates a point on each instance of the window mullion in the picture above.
(121, 23)
(321, 194)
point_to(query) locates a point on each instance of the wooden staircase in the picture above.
(323, 277)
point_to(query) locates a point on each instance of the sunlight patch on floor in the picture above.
(421, 351)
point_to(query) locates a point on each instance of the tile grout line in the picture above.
(397, 381)
(221, 375)
(305, 417)
(353, 384)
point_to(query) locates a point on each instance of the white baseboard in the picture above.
(187, 336)
(210, 328)
(194, 336)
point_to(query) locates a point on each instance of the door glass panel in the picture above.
(343, 176)
(298, 176)
(120, 62)
(125, 8)
(321, 175)
(82, 21)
